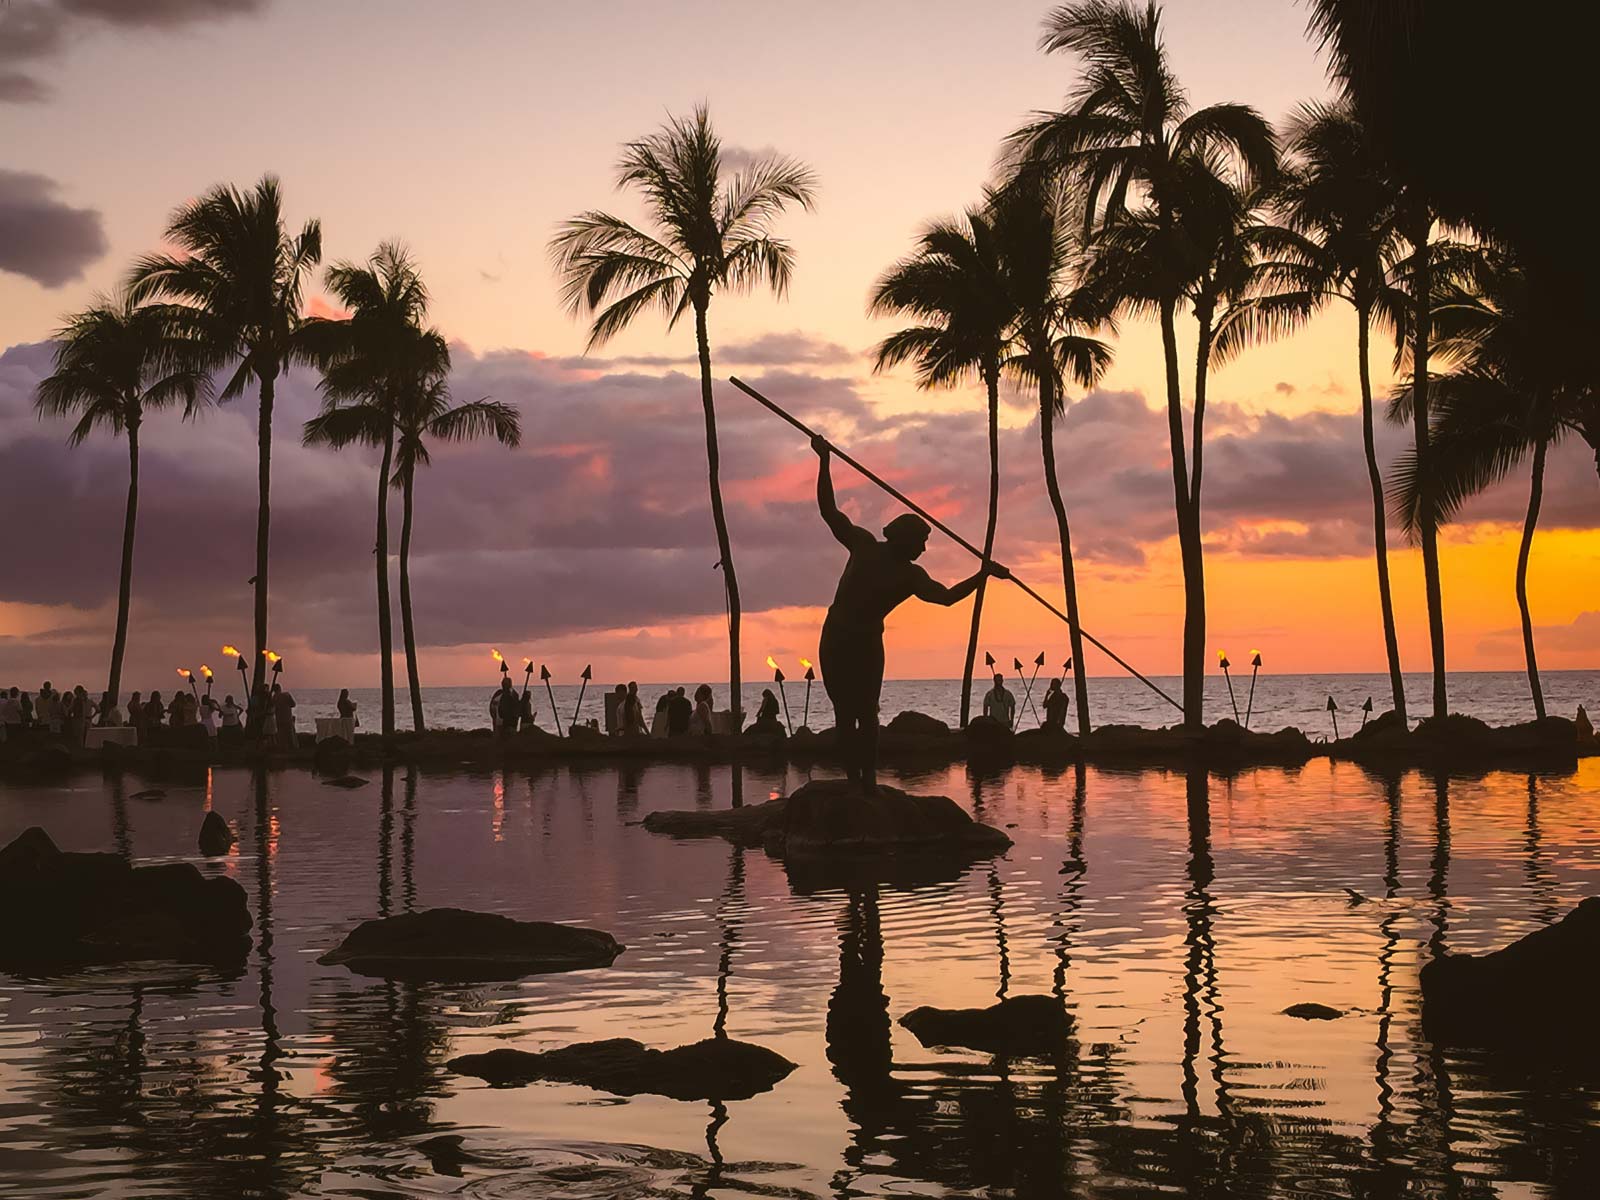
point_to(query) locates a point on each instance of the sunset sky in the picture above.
(470, 130)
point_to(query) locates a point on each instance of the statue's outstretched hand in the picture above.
(820, 445)
(991, 567)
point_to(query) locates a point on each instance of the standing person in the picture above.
(659, 721)
(136, 716)
(876, 580)
(507, 708)
(632, 718)
(47, 711)
(208, 718)
(10, 715)
(30, 715)
(494, 706)
(110, 712)
(232, 725)
(177, 711)
(999, 704)
(525, 711)
(283, 713)
(679, 713)
(700, 723)
(346, 706)
(614, 704)
(69, 718)
(153, 710)
(1055, 707)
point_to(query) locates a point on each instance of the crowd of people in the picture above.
(675, 715)
(68, 715)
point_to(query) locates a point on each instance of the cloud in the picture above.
(42, 238)
(1284, 388)
(794, 348)
(35, 30)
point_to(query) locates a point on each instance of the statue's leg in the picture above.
(872, 681)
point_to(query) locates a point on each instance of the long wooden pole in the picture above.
(953, 536)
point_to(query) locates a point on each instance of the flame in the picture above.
(1255, 654)
(206, 671)
(184, 671)
(528, 663)
(231, 651)
(1222, 655)
(772, 662)
(806, 663)
(271, 656)
(497, 656)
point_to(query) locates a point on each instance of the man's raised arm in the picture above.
(840, 524)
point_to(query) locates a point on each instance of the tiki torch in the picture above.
(1038, 664)
(206, 671)
(1027, 696)
(777, 678)
(188, 677)
(811, 675)
(544, 674)
(582, 687)
(1333, 711)
(501, 659)
(1222, 658)
(277, 663)
(527, 678)
(1366, 711)
(1250, 705)
(244, 670)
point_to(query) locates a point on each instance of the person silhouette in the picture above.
(999, 704)
(877, 579)
(1055, 707)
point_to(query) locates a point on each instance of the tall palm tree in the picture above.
(244, 274)
(953, 285)
(1045, 346)
(1515, 389)
(1339, 239)
(1156, 178)
(426, 414)
(115, 362)
(370, 361)
(712, 233)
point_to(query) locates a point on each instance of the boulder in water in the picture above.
(1539, 990)
(713, 1069)
(216, 835)
(456, 945)
(915, 724)
(150, 794)
(61, 909)
(347, 782)
(1312, 1011)
(1036, 1026)
(829, 817)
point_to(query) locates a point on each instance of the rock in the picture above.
(1539, 990)
(829, 817)
(1313, 1012)
(1036, 1026)
(1384, 725)
(331, 757)
(985, 735)
(713, 1069)
(744, 826)
(917, 724)
(771, 727)
(346, 781)
(60, 910)
(455, 945)
(149, 794)
(1583, 729)
(216, 835)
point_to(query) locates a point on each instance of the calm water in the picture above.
(1498, 697)
(1174, 917)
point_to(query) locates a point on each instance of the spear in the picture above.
(206, 671)
(582, 687)
(811, 675)
(1366, 711)
(1333, 711)
(1027, 697)
(1222, 657)
(777, 678)
(1255, 667)
(1037, 664)
(527, 676)
(544, 674)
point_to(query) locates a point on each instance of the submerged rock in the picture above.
(1022, 1025)
(62, 909)
(1311, 1011)
(457, 945)
(150, 794)
(346, 781)
(1540, 989)
(216, 835)
(713, 1069)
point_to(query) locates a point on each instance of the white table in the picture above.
(122, 735)
(337, 727)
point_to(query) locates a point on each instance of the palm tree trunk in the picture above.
(1202, 372)
(258, 678)
(380, 552)
(1380, 534)
(730, 580)
(408, 631)
(1194, 584)
(991, 376)
(1421, 303)
(1535, 498)
(130, 520)
(1069, 578)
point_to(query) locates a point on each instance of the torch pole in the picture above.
(544, 674)
(582, 687)
(805, 720)
(1232, 699)
(783, 694)
(1250, 705)
(953, 536)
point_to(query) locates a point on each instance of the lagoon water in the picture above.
(1498, 697)
(1175, 917)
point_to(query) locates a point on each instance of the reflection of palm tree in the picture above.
(730, 903)
(115, 362)
(1438, 1121)
(712, 233)
(385, 839)
(1385, 1136)
(1541, 882)
(408, 843)
(1200, 963)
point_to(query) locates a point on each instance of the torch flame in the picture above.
(806, 663)
(497, 656)
(231, 651)
(205, 670)
(184, 671)
(270, 656)
(528, 663)
(1221, 654)
(772, 662)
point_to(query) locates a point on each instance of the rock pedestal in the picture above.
(450, 945)
(713, 1069)
(1036, 1026)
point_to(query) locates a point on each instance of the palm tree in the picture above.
(243, 274)
(954, 286)
(1161, 184)
(1515, 389)
(115, 362)
(426, 414)
(1044, 346)
(369, 362)
(711, 233)
(1340, 239)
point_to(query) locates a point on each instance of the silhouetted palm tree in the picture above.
(1340, 240)
(244, 274)
(1511, 394)
(115, 362)
(369, 362)
(426, 414)
(1162, 185)
(1044, 346)
(711, 233)
(954, 286)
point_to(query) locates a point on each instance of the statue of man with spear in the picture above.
(877, 579)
